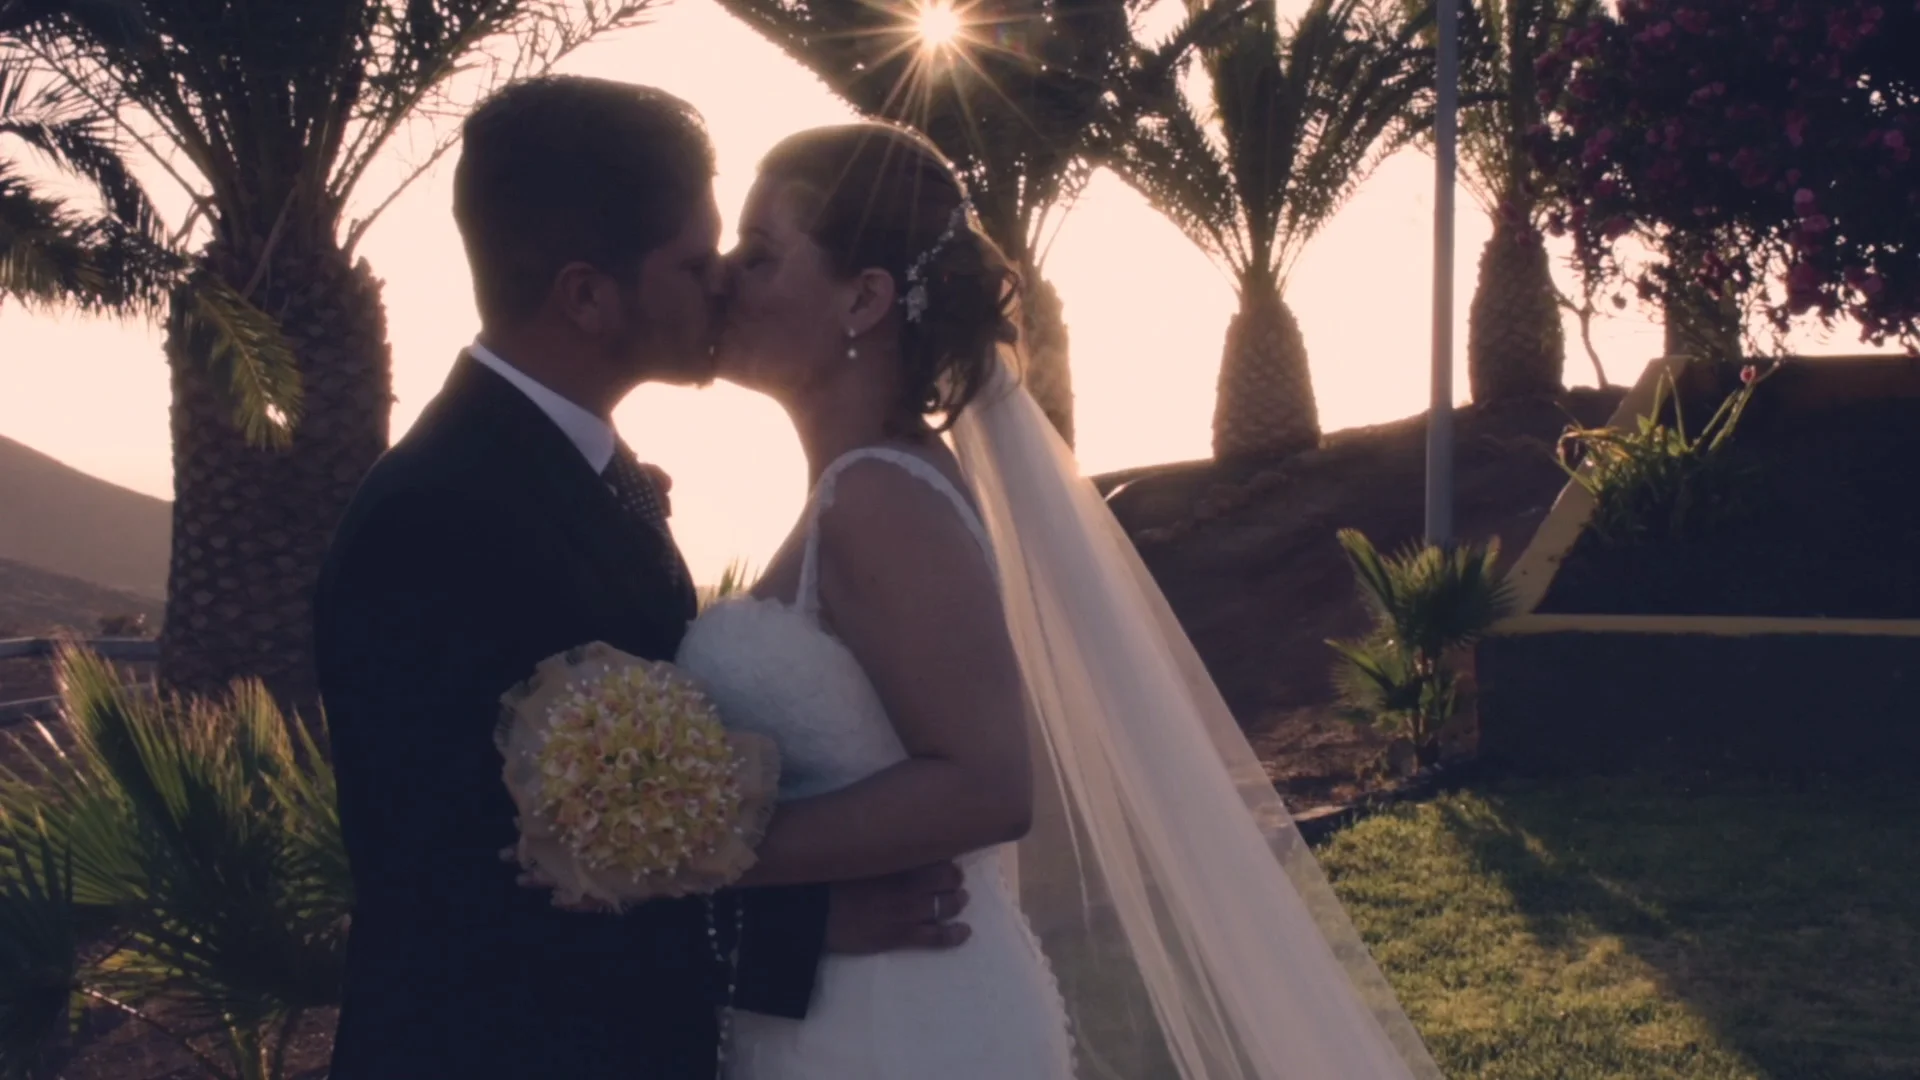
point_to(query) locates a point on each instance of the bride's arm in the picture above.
(909, 591)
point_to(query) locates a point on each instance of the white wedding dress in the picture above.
(988, 1009)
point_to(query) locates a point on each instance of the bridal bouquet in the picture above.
(628, 786)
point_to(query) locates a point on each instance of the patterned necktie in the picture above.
(641, 499)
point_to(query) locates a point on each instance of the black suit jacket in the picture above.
(479, 545)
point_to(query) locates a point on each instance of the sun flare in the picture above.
(939, 25)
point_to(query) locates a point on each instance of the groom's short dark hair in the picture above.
(565, 169)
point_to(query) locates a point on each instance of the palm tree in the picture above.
(1299, 118)
(270, 116)
(1015, 101)
(1516, 346)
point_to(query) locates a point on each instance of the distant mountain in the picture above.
(57, 518)
(34, 601)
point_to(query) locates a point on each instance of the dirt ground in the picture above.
(1248, 560)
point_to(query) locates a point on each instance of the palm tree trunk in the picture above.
(1697, 322)
(1516, 347)
(1049, 375)
(251, 526)
(1264, 406)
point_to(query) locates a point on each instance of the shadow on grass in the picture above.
(1787, 922)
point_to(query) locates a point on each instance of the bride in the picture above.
(960, 656)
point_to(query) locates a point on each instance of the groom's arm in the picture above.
(440, 604)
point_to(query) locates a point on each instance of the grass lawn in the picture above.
(1636, 930)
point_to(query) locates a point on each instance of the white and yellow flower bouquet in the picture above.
(627, 785)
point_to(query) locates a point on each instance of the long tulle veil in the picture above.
(1191, 930)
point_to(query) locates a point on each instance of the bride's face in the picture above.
(786, 309)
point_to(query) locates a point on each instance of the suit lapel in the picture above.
(546, 467)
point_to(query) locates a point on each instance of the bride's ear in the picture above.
(870, 300)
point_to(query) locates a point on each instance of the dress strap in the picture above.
(808, 595)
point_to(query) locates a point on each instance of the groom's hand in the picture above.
(913, 910)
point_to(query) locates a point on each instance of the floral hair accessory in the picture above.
(916, 297)
(626, 783)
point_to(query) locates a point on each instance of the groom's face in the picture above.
(672, 308)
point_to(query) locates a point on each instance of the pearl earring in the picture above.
(852, 353)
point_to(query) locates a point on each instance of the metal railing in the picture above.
(124, 650)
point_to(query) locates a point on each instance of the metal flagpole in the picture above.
(1440, 415)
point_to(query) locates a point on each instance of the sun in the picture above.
(939, 25)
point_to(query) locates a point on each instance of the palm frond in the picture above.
(1302, 115)
(47, 252)
(1431, 599)
(1376, 680)
(233, 886)
(57, 121)
(248, 346)
(1021, 109)
(39, 956)
(1500, 40)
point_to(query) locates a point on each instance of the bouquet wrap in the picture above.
(627, 785)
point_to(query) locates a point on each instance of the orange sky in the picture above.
(1146, 312)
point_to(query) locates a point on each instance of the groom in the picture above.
(511, 523)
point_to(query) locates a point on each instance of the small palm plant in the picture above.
(182, 864)
(738, 577)
(1427, 603)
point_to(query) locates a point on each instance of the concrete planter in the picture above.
(1786, 692)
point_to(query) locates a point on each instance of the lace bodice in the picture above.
(772, 669)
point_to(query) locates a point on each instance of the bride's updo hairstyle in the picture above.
(879, 196)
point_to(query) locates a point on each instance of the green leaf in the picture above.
(206, 831)
(39, 956)
(247, 346)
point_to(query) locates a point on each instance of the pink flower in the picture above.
(1893, 140)
(1804, 201)
(1748, 373)
(1796, 126)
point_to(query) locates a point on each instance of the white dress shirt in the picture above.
(593, 436)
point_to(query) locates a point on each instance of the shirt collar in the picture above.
(593, 436)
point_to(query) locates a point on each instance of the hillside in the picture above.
(62, 520)
(1248, 560)
(34, 601)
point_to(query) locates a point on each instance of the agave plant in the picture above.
(1298, 118)
(1427, 603)
(191, 874)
